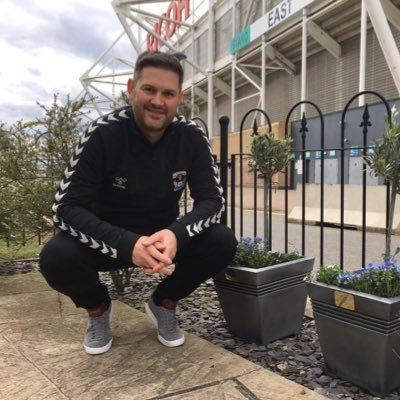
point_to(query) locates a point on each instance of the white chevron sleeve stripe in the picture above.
(123, 114)
(68, 174)
(59, 196)
(78, 151)
(66, 180)
(73, 162)
(91, 128)
(197, 227)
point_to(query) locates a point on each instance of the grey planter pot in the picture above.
(266, 304)
(359, 336)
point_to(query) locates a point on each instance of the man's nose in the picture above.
(157, 99)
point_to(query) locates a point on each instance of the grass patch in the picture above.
(19, 252)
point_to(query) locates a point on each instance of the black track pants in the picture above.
(71, 267)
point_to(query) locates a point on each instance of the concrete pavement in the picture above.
(41, 356)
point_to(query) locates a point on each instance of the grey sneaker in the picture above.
(98, 337)
(169, 333)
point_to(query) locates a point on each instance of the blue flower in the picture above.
(379, 279)
(359, 273)
(344, 278)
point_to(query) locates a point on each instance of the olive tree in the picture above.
(269, 155)
(384, 161)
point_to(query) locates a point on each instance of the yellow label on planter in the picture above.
(344, 300)
(230, 276)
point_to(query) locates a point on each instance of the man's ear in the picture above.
(131, 86)
(181, 95)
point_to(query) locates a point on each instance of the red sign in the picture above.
(166, 28)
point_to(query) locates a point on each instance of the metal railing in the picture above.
(237, 162)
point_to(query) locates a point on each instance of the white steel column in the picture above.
(304, 62)
(363, 52)
(118, 11)
(233, 95)
(233, 77)
(92, 98)
(385, 38)
(113, 77)
(210, 71)
(263, 72)
(192, 90)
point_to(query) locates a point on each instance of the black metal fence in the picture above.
(237, 166)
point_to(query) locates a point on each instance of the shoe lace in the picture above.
(98, 326)
(170, 322)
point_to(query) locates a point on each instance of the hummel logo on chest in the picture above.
(120, 182)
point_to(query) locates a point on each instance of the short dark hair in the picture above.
(158, 59)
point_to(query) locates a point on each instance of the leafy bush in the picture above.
(328, 274)
(378, 279)
(254, 253)
(33, 157)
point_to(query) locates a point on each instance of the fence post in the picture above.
(224, 122)
(233, 191)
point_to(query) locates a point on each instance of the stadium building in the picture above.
(259, 53)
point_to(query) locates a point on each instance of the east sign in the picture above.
(271, 19)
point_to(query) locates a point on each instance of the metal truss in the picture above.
(102, 80)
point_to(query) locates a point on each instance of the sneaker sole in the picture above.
(98, 350)
(101, 350)
(168, 343)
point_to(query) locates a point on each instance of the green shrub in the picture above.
(253, 253)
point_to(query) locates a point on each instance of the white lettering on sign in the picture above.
(166, 28)
(275, 16)
(279, 13)
(271, 19)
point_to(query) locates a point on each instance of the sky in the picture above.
(45, 48)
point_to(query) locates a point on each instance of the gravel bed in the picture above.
(296, 358)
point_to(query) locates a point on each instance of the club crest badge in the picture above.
(120, 182)
(179, 180)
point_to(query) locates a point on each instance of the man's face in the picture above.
(155, 98)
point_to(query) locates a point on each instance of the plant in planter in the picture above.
(263, 294)
(254, 253)
(357, 313)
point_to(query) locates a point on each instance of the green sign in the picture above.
(240, 40)
(354, 151)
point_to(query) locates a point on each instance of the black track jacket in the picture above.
(117, 186)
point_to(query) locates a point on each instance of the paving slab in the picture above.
(20, 379)
(264, 386)
(26, 283)
(41, 356)
(227, 390)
